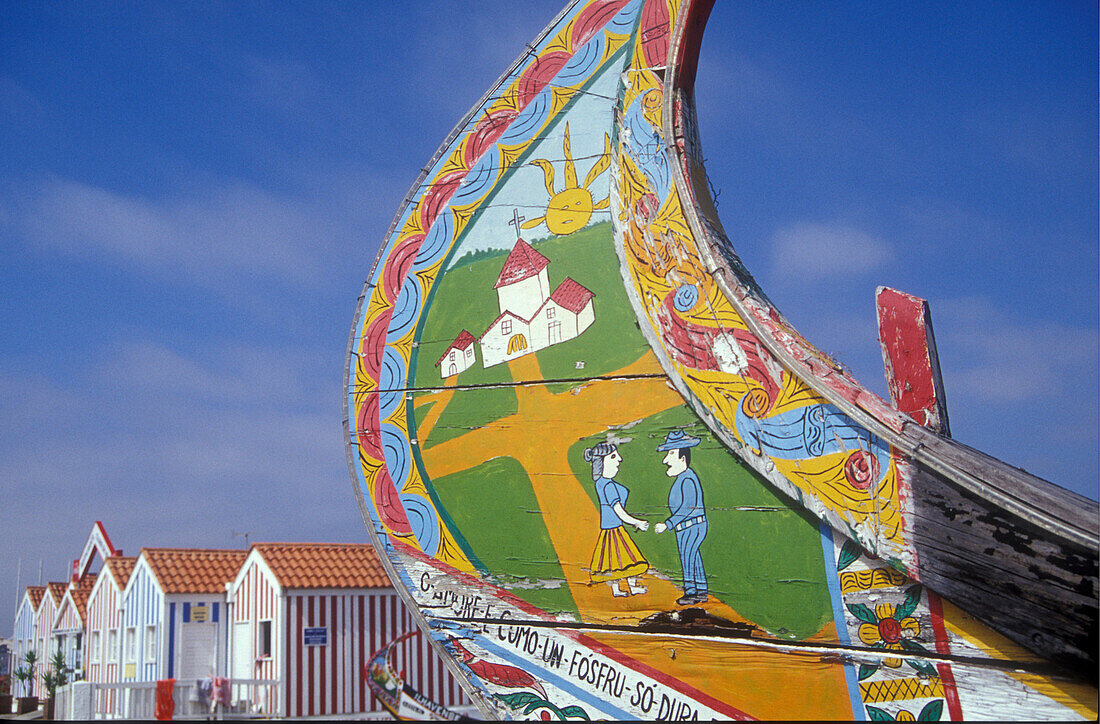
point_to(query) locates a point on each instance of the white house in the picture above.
(43, 631)
(70, 622)
(458, 357)
(310, 615)
(23, 638)
(531, 316)
(173, 613)
(102, 651)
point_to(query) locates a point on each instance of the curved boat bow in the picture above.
(611, 480)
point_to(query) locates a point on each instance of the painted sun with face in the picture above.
(572, 207)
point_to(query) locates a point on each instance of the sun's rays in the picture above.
(570, 209)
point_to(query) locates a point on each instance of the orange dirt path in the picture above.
(571, 518)
(441, 399)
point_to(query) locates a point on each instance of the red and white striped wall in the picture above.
(43, 635)
(326, 679)
(329, 679)
(104, 615)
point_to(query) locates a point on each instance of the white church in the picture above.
(531, 316)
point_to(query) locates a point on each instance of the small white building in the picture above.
(102, 651)
(23, 638)
(458, 357)
(310, 615)
(531, 316)
(70, 624)
(173, 613)
(43, 632)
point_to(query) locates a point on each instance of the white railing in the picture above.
(138, 700)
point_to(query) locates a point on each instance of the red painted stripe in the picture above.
(943, 646)
(311, 675)
(333, 672)
(297, 643)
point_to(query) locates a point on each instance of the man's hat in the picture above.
(676, 440)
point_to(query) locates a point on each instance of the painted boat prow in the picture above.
(609, 479)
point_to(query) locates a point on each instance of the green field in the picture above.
(467, 410)
(495, 507)
(465, 299)
(763, 558)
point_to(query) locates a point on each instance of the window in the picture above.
(131, 644)
(452, 358)
(263, 645)
(95, 647)
(470, 351)
(506, 326)
(151, 642)
(112, 644)
(549, 312)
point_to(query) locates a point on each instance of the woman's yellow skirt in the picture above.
(616, 557)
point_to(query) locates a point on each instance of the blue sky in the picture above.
(192, 194)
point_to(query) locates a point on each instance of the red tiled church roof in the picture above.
(324, 565)
(121, 567)
(571, 295)
(462, 341)
(522, 262)
(191, 570)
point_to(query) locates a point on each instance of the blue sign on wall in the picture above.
(315, 636)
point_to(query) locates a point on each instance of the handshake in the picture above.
(644, 526)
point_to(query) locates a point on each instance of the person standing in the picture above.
(616, 557)
(687, 515)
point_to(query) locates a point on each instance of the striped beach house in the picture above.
(70, 623)
(173, 622)
(23, 636)
(309, 615)
(43, 631)
(104, 618)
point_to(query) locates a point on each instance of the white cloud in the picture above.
(230, 231)
(815, 251)
(1003, 358)
(171, 447)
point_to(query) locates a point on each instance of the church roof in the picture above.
(523, 262)
(571, 295)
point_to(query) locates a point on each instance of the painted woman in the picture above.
(616, 558)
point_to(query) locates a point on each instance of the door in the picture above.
(242, 650)
(198, 650)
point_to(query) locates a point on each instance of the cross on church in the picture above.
(516, 218)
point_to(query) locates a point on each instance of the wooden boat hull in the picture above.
(613, 481)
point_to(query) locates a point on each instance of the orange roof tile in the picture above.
(57, 590)
(36, 593)
(121, 567)
(80, 595)
(324, 565)
(191, 570)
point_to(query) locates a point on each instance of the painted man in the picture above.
(687, 516)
